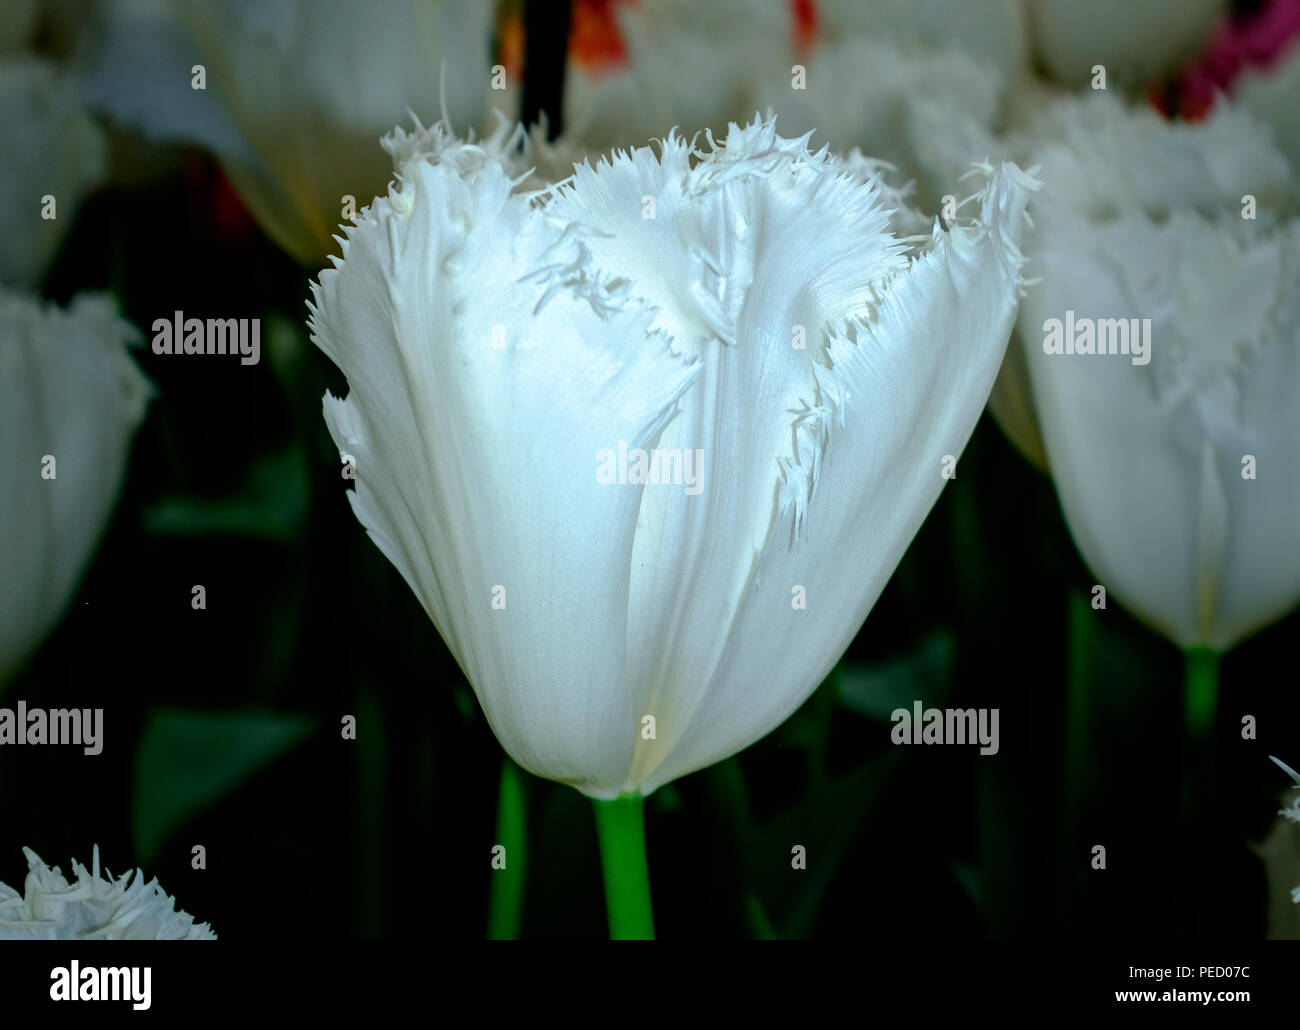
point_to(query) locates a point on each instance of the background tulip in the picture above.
(53, 155)
(1137, 41)
(70, 401)
(658, 65)
(1144, 219)
(297, 92)
(992, 33)
(638, 67)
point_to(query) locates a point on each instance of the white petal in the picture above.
(992, 32)
(51, 149)
(864, 91)
(1097, 156)
(677, 74)
(897, 391)
(68, 390)
(1148, 459)
(1273, 96)
(136, 66)
(477, 466)
(309, 85)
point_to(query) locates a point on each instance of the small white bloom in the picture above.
(761, 321)
(93, 908)
(71, 399)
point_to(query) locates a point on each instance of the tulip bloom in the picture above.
(94, 908)
(53, 155)
(993, 33)
(514, 359)
(648, 444)
(1179, 471)
(295, 93)
(70, 400)
(928, 69)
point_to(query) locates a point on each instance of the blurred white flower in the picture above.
(70, 401)
(1094, 156)
(867, 92)
(1273, 96)
(1137, 41)
(52, 156)
(745, 312)
(1179, 474)
(298, 92)
(93, 908)
(888, 76)
(990, 32)
(689, 64)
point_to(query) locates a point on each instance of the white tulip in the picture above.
(1178, 472)
(744, 320)
(52, 156)
(866, 71)
(70, 401)
(296, 92)
(94, 908)
(992, 33)
(692, 64)
(943, 92)
(1136, 41)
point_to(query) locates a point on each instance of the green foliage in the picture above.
(188, 760)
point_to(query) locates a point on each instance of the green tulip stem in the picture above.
(1201, 693)
(620, 826)
(506, 900)
(1200, 810)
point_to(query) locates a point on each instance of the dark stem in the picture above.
(546, 52)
